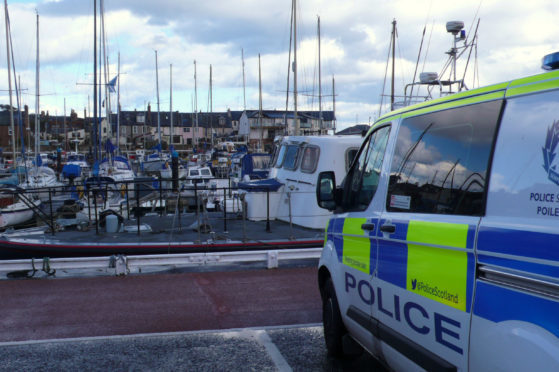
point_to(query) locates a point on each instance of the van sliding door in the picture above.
(426, 266)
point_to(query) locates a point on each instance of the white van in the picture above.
(443, 252)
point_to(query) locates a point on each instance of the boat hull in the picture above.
(185, 233)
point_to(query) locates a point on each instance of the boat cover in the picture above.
(269, 184)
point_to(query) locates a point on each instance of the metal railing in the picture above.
(123, 265)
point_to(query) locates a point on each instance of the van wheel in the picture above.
(334, 328)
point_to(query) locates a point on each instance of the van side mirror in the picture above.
(326, 190)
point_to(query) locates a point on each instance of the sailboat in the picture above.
(39, 177)
(154, 162)
(13, 211)
(112, 170)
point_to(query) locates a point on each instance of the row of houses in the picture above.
(139, 129)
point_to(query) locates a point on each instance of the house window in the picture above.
(222, 121)
(134, 130)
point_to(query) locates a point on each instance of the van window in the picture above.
(310, 159)
(349, 156)
(363, 178)
(291, 157)
(441, 159)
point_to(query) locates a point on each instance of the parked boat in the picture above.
(116, 168)
(112, 233)
(154, 162)
(76, 160)
(15, 211)
(249, 166)
(291, 185)
(39, 179)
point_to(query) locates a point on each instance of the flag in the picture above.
(112, 85)
(109, 147)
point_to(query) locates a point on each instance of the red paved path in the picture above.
(102, 306)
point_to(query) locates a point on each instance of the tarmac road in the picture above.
(251, 319)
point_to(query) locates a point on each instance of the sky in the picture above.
(512, 38)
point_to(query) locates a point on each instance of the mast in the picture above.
(105, 62)
(393, 64)
(96, 113)
(7, 19)
(64, 127)
(171, 104)
(334, 103)
(321, 120)
(118, 105)
(286, 130)
(158, 112)
(297, 129)
(260, 103)
(37, 107)
(211, 109)
(95, 118)
(244, 80)
(195, 107)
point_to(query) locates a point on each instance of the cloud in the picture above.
(355, 44)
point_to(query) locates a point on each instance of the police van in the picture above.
(443, 252)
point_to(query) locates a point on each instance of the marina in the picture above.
(248, 186)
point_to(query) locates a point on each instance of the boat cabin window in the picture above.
(275, 154)
(205, 172)
(260, 161)
(194, 172)
(310, 159)
(291, 157)
(280, 156)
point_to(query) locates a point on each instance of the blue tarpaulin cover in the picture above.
(71, 170)
(270, 184)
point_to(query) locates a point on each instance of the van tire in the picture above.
(334, 329)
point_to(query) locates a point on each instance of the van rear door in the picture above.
(517, 291)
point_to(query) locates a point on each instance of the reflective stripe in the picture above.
(357, 245)
(532, 88)
(438, 233)
(458, 103)
(438, 273)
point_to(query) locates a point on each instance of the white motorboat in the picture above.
(291, 185)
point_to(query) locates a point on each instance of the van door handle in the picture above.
(388, 228)
(368, 226)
